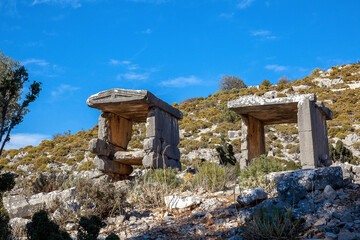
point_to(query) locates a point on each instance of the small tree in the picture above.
(284, 80)
(13, 78)
(229, 82)
(226, 153)
(266, 83)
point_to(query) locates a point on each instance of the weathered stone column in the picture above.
(252, 139)
(161, 142)
(314, 148)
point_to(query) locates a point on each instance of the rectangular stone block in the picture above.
(105, 165)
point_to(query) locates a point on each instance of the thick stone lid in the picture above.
(130, 104)
(274, 110)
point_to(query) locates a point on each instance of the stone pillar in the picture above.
(114, 135)
(115, 130)
(314, 149)
(252, 139)
(162, 138)
(244, 161)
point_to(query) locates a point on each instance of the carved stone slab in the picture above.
(133, 105)
(274, 110)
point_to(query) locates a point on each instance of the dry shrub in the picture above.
(271, 223)
(214, 177)
(99, 198)
(149, 190)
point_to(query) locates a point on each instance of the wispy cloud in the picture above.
(72, 3)
(39, 62)
(276, 67)
(226, 15)
(64, 89)
(147, 31)
(133, 76)
(128, 64)
(263, 34)
(244, 3)
(260, 33)
(18, 140)
(9, 7)
(181, 81)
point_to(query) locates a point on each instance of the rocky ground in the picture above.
(327, 207)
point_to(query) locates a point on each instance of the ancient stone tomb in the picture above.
(120, 109)
(305, 110)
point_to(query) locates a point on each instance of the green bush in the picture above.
(260, 166)
(214, 177)
(41, 228)
(341, 153)
(271, 223)
(7, 182)
(226, 153)
(89, 228)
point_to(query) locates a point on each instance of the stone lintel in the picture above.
(133, 105)
(270, 110)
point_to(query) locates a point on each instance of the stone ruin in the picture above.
(120, 109)
(305, 110)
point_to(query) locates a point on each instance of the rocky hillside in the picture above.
(206, 119)
(205, 200)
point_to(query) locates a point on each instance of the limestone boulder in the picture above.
(181, 203)
(290, 191)
(251, 197)
(19, 206)
(311, 179)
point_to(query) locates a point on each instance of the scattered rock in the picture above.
(329, 193)
(251, 197)
(290, 191)
(181, 203)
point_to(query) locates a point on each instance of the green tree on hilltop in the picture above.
(13, 78)
(229, 82)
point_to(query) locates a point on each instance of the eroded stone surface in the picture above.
(311, 179)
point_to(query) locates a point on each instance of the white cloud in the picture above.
(260, 33)
(18, 140)
(39, 62)
(128, 64)
(147, 31)
(226, 15)
(244, 3)
(263, 34)
(73, 3)
(181, 81)
(63, 89)
(276, 67)
(133, 76)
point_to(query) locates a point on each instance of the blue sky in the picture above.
(177, 49)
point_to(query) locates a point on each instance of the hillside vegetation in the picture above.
(206, 119)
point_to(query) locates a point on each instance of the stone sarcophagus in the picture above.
(305, 110)
(120, 109)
